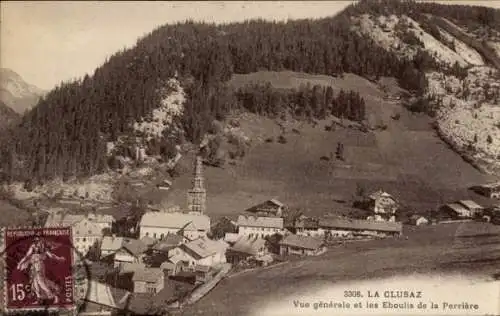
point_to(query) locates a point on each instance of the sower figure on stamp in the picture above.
(43, 287)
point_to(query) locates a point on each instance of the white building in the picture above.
(102, 220)
(202, 251)
(85, 233)
(159, 224)
(259, 226)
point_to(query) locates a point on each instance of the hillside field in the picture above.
(407, 159)
(469, 249)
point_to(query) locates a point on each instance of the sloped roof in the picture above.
(127, 267)
(459, 208)
(167, 265)
(147, 275)
(103, 294)
(307, 223)
(265, 204)
(267, 222)
(470, 204)
(86, 228)
(63, 220)
(204, 247)
(175, 220)
(304, 242)
(101, 218)
(249, 245)
(357, 224)
(111, 243)
(171, 240)
(379, 194)
(134, 246)
(492, 185)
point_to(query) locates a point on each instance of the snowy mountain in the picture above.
(17, 93)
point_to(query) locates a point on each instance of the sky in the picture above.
(48, 42)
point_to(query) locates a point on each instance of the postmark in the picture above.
(38, 269)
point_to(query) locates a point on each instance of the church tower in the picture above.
(197, 196)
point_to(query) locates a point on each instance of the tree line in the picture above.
(66, 133)
(306, 102)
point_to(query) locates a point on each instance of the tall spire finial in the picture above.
(197, 195)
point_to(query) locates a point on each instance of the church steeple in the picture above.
(197, 195)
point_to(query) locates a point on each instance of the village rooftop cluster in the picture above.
(168, 258)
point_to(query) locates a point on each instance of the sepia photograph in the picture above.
(253, 158)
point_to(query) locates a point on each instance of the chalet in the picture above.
(301, 245)
(461, 210)
(160, 224)
(204, 273)
(102, 220)
(132, 250)
(247, 247)
(86, 234)
(259, 226)
(382, 205)
(454, 211)
(418, 220)
(202, 251)
(307, 226)
(169, 268)
(472, 206)
(490, 190)
(110, 245)
(268, 208)
(149, 280)
(340, 227)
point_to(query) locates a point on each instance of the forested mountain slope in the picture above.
(172, 84)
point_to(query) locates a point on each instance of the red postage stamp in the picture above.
(38, 269)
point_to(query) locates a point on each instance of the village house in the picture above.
(247, 247)
(301, 245)
(110, 245)
(131, 251)
(474, 208)
(269, 208)
(490, 190)
(307, 226)
(102, 220)
(204, 273)
(85, 233)
(340, 227)
(202, 251)
(259, 226)
(383, 206)
(159, 224)
(464, 209)
(418, 220)
(148, 280)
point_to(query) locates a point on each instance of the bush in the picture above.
(282, 140)
(269, 140)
